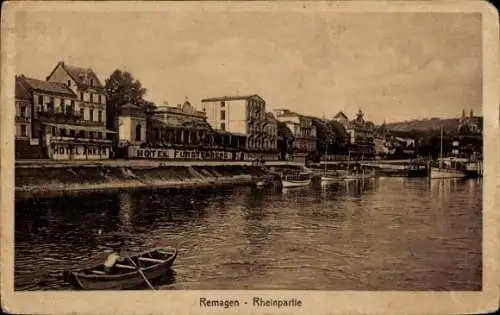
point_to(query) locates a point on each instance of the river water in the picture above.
(377, 234)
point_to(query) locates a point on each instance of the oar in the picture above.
(141, 273)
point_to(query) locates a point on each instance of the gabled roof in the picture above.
(21, 91)
(81, 76)
(231, 98)
(44, 86)
(341, 114)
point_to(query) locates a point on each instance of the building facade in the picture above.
(270, 133)
(244, 115)
(68, 114)
(302, 128)
(24, 110)
(360, 134)
(132, 125)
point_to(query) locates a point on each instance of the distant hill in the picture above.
(448, 124)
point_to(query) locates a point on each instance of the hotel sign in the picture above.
(173, 154)
(79, 152)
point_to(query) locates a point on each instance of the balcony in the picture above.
(72, 118)
(59, 117)
(77, 139)
(23, 118)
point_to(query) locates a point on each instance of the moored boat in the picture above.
(296, 180)
(153, 264)
(473, 169)
(437, 173)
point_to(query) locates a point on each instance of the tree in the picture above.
(324, 135)
(122, 88)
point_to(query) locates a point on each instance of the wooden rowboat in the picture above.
(153, 264)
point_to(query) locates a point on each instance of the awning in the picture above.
(79, 127)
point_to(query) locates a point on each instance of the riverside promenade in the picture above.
(142, 163)
(40, 177)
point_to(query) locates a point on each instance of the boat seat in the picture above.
(125, 266)
(98, 272)
(151, 260)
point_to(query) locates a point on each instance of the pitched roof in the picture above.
(44, 86)
(340, 114)
(80, 75)
(21, 91)
(230, 98)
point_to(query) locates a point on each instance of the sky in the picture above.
(393, 66)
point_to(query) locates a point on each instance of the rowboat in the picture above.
(153, 264)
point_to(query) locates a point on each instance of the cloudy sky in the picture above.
(394, 66)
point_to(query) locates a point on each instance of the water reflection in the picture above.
(391, 233)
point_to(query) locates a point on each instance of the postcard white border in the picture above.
(315, 302)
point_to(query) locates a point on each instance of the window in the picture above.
(82, 113)
(72, 133)
(91, 118)
(91, 98)
(69, 83)
(222, 104)
(81, 134)
(91, 83)
(91, 135)
(81, 96)
(138, 132)
(62, 105)
(222, 115)
(63, 132)
(40, 100)
(50, 106)
(99, 135)
(99, 116)
(23, 111)
(223, 126)
(23, 131)
(100, 99)
(69, 109)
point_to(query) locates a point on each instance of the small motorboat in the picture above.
(296, 180)
(153, 264)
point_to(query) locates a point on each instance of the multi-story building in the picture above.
(271, 133)
(27, 146)
(175, 132)
(91, 95)
(24, 109)
(303, 130)
(68, 114)
(360, 133)
(185, 126)
(244, 115)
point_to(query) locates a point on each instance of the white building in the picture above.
(244, 115)
(132, 125)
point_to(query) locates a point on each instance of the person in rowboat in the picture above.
(113, 258)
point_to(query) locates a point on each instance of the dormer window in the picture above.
(69, 83)
(91, 83)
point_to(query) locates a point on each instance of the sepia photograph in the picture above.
(249, 157)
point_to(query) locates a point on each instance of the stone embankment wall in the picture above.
(63, 178)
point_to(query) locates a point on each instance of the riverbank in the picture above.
(35, 180)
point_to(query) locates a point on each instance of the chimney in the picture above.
(471, 113)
